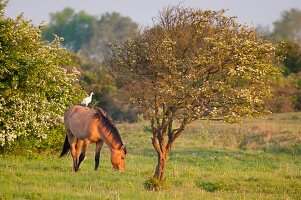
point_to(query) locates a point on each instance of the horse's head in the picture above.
(118, 158)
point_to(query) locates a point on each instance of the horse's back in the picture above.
(80, 121)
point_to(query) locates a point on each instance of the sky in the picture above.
(251, 13)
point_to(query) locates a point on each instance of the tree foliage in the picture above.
(34, 87)
(194, 64)
(289, 26)
(291, 51)
(287, 31)
(86, 34)
(111, 27)
(75, 28)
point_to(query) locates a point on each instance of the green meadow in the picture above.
(258, 159)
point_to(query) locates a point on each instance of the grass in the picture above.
(259, 159)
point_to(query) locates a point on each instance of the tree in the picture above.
(75, 28)
(287, 30)
(191, 65)
(289, 26)
(291, 51)
(86, 34)
(111, 27)
(35, 88)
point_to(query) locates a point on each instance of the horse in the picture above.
(83, 127)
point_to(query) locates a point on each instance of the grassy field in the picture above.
(259, 159)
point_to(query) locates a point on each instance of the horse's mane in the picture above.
(107, 122)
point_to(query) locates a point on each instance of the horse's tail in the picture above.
(66, 147)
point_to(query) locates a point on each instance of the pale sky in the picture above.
(252, 12)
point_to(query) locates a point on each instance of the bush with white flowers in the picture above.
(35, 87)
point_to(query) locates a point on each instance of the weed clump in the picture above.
(208, 186)
(154, 184)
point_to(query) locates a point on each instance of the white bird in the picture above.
(87, 100)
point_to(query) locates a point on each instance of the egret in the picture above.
(87, 100)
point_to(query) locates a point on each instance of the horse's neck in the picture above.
(111, 141)
(108, 131)
(112, 144)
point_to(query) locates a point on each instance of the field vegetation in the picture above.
(258, 159)
(39, 80)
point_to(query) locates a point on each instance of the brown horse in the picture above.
(83, 127)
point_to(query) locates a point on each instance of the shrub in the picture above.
(30, 145)
(154, 184)
(208, 186)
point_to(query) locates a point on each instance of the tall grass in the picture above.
(279, 133)
(258, 159)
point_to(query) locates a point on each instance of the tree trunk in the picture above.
(162, 149)
(160, 169)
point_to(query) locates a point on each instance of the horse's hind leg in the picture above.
(97, 153)
(72, 142)
(78, 148)
(84, 150)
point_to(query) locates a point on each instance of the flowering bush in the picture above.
(35, 88)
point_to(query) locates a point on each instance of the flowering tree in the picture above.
(34, 87)
(191, 65)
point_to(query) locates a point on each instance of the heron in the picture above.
(87, 100)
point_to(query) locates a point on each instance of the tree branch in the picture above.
(174, 134)
(156, 144)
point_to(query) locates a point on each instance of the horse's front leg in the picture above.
(84, 150)
(97, 153)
